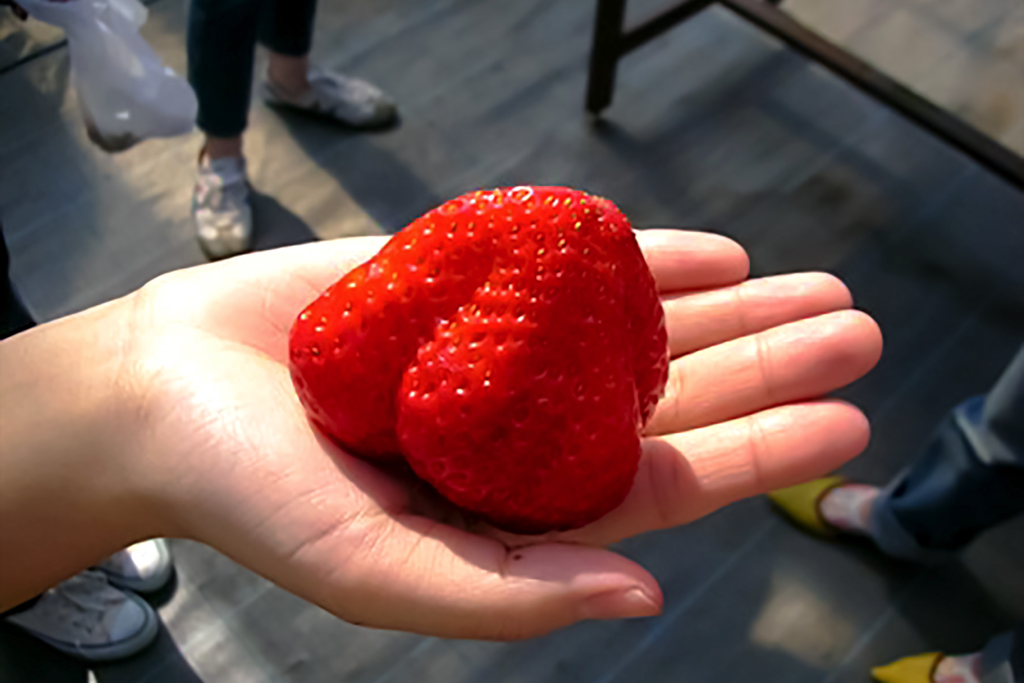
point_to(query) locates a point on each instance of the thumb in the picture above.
(425, 577)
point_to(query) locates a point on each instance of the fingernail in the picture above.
(620, 604)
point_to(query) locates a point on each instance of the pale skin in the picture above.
(171, 412)
(284, 71)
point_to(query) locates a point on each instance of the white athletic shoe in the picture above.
(88, 618)
(221, 211)
(144, 567)
(350, 101)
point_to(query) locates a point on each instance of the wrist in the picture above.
(70, 494)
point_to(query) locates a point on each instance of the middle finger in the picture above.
(697, 320)
(792, 362)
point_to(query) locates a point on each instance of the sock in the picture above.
(962, 669)
(848, 507)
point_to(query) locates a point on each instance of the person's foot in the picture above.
(144, 567)
(847, 507)
(828, 506)
(932, 667)
(345, 99)
(221, 211)
(87, 618)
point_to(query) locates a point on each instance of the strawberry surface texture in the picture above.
(509, 345)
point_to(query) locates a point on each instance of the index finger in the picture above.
(682, 260)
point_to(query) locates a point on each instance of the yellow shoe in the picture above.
(800, 504)
(915, 669)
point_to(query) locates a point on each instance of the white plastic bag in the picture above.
(126, 94)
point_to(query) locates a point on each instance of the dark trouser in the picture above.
(969, 478)
(13, 316)
(222, 38)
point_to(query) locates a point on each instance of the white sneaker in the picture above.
(87, 618)
(350, 101)
(220, 207)
(144, 567)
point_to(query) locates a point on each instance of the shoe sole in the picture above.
(147, 585)
(212, 256)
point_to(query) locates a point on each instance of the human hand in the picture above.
(220, 450)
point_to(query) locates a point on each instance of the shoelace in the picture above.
(344, 92)
(83, 595)
(217, 189)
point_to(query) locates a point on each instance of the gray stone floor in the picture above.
(965, 55)
(714, 126)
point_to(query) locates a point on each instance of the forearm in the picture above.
(66, 496)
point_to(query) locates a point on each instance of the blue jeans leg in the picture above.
(1002, 659)
(969, 477)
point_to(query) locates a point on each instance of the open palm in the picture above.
(234, 463)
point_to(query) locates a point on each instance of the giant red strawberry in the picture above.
(509, 345)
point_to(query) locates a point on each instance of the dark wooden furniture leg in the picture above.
(604, 54)
(611, 42)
